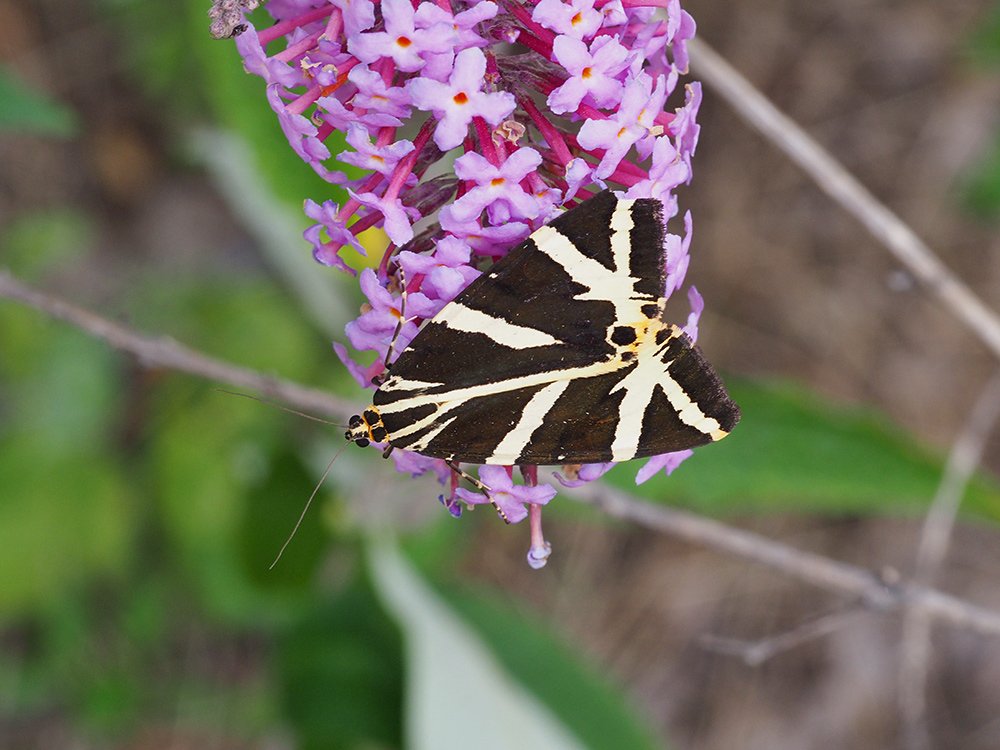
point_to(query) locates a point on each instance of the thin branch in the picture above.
(845, 189)
(915, 648)
(867, 587)
(863, 585)
(161, 351)
(755, 653)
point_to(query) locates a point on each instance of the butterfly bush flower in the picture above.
(474, 123)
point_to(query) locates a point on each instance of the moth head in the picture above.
(366, 428)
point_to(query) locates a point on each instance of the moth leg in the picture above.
(399, 323)
(387, 451)
(453, 465)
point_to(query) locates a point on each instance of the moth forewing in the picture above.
(556, 355)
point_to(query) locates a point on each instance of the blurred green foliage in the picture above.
(24, 110)
(982, 184)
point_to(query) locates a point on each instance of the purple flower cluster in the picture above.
(491, 117)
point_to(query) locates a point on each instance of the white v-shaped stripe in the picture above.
(515, 441)
(461, 318)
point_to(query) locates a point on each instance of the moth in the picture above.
(558, 354)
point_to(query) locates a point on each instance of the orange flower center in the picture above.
(586, 73)
(496, 181)
(460, 98)
(404, 42)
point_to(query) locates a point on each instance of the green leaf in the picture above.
(341, 668)
(794, 452)
(481, 674)
(24, 110)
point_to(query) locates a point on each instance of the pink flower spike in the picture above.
(577, 18)
(592, 73)
(463, 25)
(510, 498)
(666, 462)
(583, 474)
(684, 126)
(401, 40)
(447, 272)
(486, 241)
(497, 189)
(359, 15)
(396, 216)
(368, 156)
(414, 464)
(677, 256)
(631, 124)
(697, 303)
(667, 171)
(540, 550)
(338, 234)
(578, 174)
(375, 327)
(363, 375)
(456, 102)
(373, 94)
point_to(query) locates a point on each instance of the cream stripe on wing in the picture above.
(458, 317)
(602, 283)
(638, 386)
(515, 441)
(621, 237)
(423, 442)
(501, 386)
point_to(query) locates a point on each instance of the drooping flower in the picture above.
(402, 83)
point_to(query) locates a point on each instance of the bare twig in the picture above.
(755, 653)
(165, 352)
(915, 648)
(867, 587)
(845, 189)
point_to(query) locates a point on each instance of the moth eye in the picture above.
(363, 442)
(347, 435)
(354, 422)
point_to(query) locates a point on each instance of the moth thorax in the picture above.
(366, 428)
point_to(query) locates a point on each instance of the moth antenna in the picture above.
(302, 515)
(453, 465)
(276, 405)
